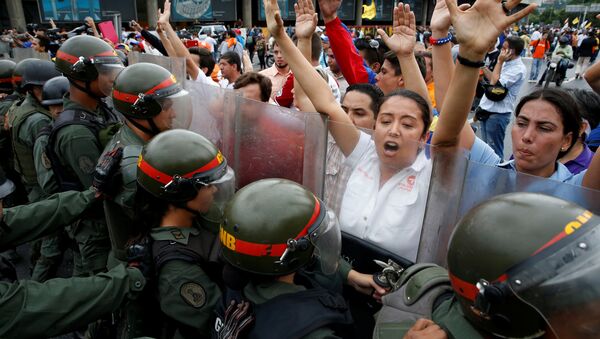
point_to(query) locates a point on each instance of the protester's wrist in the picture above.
(470, 54)
(439, 33)
(330, 18)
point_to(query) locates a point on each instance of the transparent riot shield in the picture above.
(459, 185)
(24, 53)
(261, 140)
(174, 65)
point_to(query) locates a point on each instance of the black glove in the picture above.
(139, 255)
(237, 318)
(106, 180)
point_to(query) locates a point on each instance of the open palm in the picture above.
(306, 19)
(403, 39)
(480, 25)
(273, 17)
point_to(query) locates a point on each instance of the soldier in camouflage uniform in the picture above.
(79, 135)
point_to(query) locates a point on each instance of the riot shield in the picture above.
(24, 53)
(261, 140)
(174, 65)
(467, 184)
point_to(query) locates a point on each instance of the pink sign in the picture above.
(108, 31)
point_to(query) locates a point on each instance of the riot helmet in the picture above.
(144, 90)
(86, 58)
(176, 164)
(18, 72)
(522, 262)
(7, 68)
(37, 73)
(54, 90)
(276, 226)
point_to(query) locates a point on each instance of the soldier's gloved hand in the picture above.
(106, 178)
(139, 255)
(238, 317)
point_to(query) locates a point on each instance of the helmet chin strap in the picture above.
(183, 205)
(87, 89)
(153, 130)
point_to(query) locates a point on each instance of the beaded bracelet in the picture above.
(441, 41)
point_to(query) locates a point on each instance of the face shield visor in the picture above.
(187, 186)
(176, 108)
(108, 68)
(327, 240)
(561, 282)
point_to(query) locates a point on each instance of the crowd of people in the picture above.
(177, 231)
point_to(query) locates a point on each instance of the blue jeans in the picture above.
(535, 68)
(493, 130)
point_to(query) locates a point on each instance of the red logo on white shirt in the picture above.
(409, 183)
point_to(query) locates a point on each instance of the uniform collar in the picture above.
(174, 233)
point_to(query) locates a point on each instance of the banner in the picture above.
(203, 10)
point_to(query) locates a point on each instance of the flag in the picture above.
(369, 11)
(575, 21)
(589, 24)
(584, 23)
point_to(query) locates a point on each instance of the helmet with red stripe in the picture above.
(511, 257)
(176, 164)
(20, 68)
(7, 68)
(84, 57)
(276, 226)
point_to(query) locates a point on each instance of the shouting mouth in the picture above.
(390, 148)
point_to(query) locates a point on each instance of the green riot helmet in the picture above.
(276, 226)
(19, 70)
(54, 90)
(7, 68)
(86, 58)
(519, 263)
(37, 73)
(144, 90)
(176, 164)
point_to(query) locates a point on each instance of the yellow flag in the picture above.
(369, 11)
(588, 25)
(575, 21)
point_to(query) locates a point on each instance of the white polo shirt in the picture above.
(390, 217)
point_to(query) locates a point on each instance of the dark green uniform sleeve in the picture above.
(187, 295)
(79, 150)
(28, 222)
(29, 309)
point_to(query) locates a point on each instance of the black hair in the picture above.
(232, 58)
(206, 59)
(372, 91)
(588, 103)
(419, 100)
(516, 43)
(148, 211)
(391, 57)
(565, 105)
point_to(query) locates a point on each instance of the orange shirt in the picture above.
(541, 46)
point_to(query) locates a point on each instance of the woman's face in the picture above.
(398, 132)
(537, 137)
(203, 200)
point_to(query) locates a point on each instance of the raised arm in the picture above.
(402, 43)
(443, 65)
(352, 65)
(317, 90)
(90, 22)
(306, 23)
(178, 47)
(476, 29)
